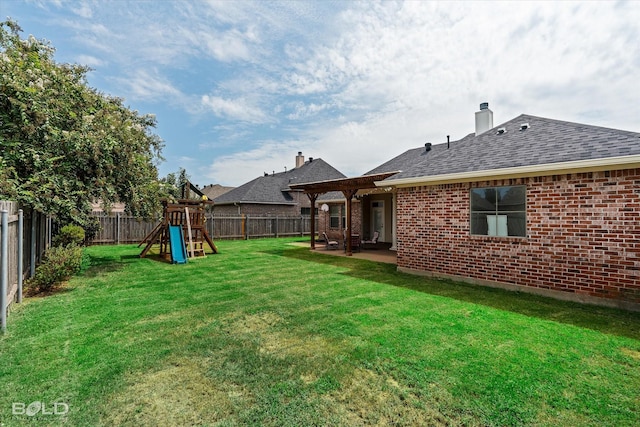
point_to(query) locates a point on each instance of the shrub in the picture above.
(59, 264)
(91, 229)
(69, 235)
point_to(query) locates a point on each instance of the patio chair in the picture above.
(330, 244)
(373, 241)
(355, 241)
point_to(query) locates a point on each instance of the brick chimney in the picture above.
(484, 119)
(299, 159)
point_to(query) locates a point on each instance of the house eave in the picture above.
(334, 200)
(255, 203)
(578, 166)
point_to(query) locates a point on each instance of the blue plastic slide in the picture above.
(176, 241)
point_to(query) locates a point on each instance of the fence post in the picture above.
(32, 260)
(118, 228)
(20, 253)
(276, 226)
(4, 270)
(244, 227)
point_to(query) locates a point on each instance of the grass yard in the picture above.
(267, 333)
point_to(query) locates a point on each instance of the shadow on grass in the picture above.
(59, 289)
(99, 265)
(601, 319)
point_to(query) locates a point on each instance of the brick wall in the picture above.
(583, 236)
(337, 233)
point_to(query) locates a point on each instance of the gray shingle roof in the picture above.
(545, 141)
(215, 190)
(274, 188)
(331, 195)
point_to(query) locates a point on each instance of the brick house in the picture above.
(534, 204)
(271, 195)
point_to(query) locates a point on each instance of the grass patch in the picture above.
(265, 333)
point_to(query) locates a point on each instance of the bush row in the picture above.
(61, 261)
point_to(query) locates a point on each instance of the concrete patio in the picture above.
(380, 253)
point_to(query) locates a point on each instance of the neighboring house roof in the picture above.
(96, 207)
(215, 190)
(546, 145)
(274, 188)
(331, 196)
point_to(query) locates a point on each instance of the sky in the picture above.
(240, 87)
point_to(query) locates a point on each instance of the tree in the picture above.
(63, 143)
(171, 185)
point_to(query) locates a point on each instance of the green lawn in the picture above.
(267, 333)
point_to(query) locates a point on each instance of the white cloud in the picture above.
(90, 61)
(235, 109)
(150, 86)
(186, 159)
(306, 110)
(227, 47)
(236, 169)
(83, 10)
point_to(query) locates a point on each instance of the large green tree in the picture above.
(63, 143)
(171, 185)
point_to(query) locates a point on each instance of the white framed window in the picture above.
(499, 211)
(307, 211)
(334, 216)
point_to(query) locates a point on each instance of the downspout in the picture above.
(394, 221)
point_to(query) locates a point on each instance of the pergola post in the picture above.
(348, 194)
(312, 198)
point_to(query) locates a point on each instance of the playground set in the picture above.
(181, 233)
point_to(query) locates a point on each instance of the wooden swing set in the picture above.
(188, 214)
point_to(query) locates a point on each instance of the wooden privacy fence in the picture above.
(23, 239)
(247, 227)
(121, 228)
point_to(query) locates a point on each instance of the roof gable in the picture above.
(274, 188)
(214, 190)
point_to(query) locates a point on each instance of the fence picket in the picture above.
(20, 255)
(127, 229)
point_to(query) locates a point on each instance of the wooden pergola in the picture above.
(348, 186)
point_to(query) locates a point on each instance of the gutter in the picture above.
(255, 203)
(577, 166)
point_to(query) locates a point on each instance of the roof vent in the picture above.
(427, 147)
(310, 159)
(525, 126)
(501, 131)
